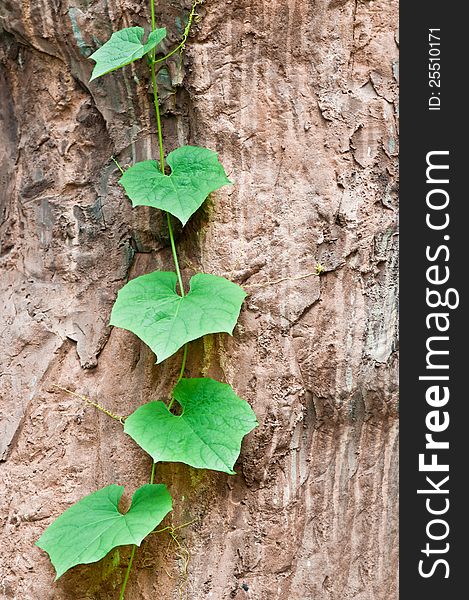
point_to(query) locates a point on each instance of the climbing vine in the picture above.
(207, 430)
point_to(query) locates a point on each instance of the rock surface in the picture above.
(298, 98)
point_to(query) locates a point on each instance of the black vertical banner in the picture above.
(434, 401)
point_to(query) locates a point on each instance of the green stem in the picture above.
(127, 573)
(134, 548)
(183, 364)
(157, 112)
(175, 256)
(181, 372)
(117, 164)
(153, 61)
(153, 20)
(160, 147)
(181, 45)
(162, 164)
(119, 418)
(160, 142)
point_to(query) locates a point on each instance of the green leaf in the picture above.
(208, 433)
(150, 307)
(122, 48)
(195, 172)
(93, 526)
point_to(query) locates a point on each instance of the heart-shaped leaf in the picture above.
(93, 526)
(122, 48)
(195, 172)
(150, 307)
(208, 433)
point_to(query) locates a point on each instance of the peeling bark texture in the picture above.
(299, 99)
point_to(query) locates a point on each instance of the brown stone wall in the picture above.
(299, 99)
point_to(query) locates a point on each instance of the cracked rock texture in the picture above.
(298, 97)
